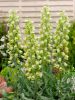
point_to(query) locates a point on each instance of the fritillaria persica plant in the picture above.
(45, 39)
(14, 40)
(31, 49)
(61, 42)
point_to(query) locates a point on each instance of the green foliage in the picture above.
(46, 88)
(10, 75)
(64, 87)
(10, 96)
(14, 40)
(72, 44)
(3, 44)
(23, 88)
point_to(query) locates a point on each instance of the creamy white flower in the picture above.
(41, 51)
(26, 64)
(12, 23)
(12, 65)
(2, 46)
(59, 59)
(33, 66)
(64, 41)
(29, 69)
(44, 58)
(11, 48)
(28, 58)
(40, 66)
(63, 54)
(61, 45)
(42, 42)
(37, 52)
(15, 46)
(3, 38)
(45, 49)
(18, 61)
(67, 37)
(16, 38)
(58, 50)
(54, 54)
(56, 65)
(53, 60)
(16, 55)
(9, 62)
(40, 61)
(33, 56)
(33, 48)
(37, 63)
(66, 49)
(65, 64)
(66, 57)
(45, 41)
(49, 45)
(20, 51)
(38, 56)
(11, 41)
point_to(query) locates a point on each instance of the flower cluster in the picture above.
(14, 40)
(31, 48)
(61, 42)
(45, 38)
(50, 50)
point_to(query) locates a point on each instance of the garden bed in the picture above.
(38, 68)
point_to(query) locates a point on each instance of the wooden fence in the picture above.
(31, 9)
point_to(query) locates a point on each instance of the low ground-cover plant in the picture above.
(46, 56)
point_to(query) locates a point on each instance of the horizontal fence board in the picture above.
(38, 14)
(37, 20)
(52, 8)
(37, 9)
(9, 0)
(8, 4)
(51, 3)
